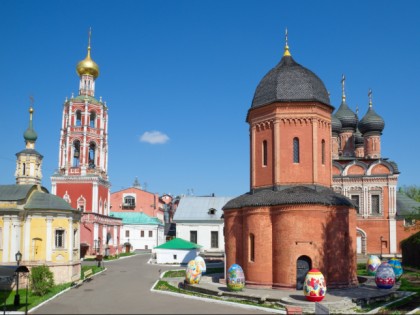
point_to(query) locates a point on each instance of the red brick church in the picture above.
(291, 220)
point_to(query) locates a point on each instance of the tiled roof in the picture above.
(290, 82)
(178, 243)
(139, 218)
(198, 208)
(289, 195)
(30, 151)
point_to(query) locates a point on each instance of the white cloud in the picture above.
(154, 137)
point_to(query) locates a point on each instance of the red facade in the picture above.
(82, 177)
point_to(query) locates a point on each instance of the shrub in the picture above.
(42, 280)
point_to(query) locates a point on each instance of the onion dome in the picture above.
(335, 124)
(288, 81)
(88, 66)
(371, 122)
(30, 135)
(347, 117)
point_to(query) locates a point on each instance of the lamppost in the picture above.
(18, 257)
(381, 246)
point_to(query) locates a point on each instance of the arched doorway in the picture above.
(361, 242)
(303, 265)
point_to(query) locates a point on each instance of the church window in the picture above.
(74, 238)
(212, 211)
(76, 153)
(214, 239)
(59, 238)
(23, 169)
(81, 203)
(323, 152)
(193, 237)
(66, 197)
(251, 247)
(127, 233)
(129, 202)
(375, 209)
(356, 201)
(150, 233)
(92, 119)
(265, 152)
(141, 233)
(78, 118)
(296, 157)
(92, 149)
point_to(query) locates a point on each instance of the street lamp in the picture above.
(381, 246)
(18, 257)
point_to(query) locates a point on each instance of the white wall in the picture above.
(167, 256)
(203, 234)
(138, 242)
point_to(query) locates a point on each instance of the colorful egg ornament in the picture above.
(372, 264)
(385, 276)
(193, 273)
(396, 265)
(314, 287)
(235, 278)
(201, 263)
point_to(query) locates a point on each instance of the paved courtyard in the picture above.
(124, 288)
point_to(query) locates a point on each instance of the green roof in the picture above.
(44, 201)
(81, 98)
(178, 243)
(136, 218)
(14, 192)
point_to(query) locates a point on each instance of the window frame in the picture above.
(59, 238)
(214, 242)
(296, 150)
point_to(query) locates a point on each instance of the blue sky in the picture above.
(186, 71)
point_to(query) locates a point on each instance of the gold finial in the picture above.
(343, 93)
(370, 98)
(89, 38)
(31, 109)
(286, 47)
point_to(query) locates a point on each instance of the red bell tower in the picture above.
(82, 177)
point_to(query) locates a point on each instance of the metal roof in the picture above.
(138, 218)
(178, 243)
(44, 201)
(406, 205)
(198, 208)
(14, 192)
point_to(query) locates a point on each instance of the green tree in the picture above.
(42, 280)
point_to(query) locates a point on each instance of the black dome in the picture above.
(372, 122)
(358, 138)
(347, 117)
(335, 124)
(289, 81)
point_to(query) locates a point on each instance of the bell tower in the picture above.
(82, 176)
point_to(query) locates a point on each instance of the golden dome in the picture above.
(87, 65)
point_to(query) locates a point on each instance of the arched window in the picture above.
(92, 151)
(92, 119)
(265, 153)
(81, 204)
(24, 169)
(251, 247)
(78, 118)
(323, 151)
(76, 153)
(296, 157)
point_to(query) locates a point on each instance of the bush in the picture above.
(42, 280)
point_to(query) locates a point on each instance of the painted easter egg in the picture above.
(396, 265)
(193, 273)
(235, 278)
(201, 263)
(385, 276)
(314, 287)
(372, 264)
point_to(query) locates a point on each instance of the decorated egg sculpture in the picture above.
(235, 278)
(396, 265)
(314, 287)
(385, 276)
(201, 263)
(372, 264)
(193, 273)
